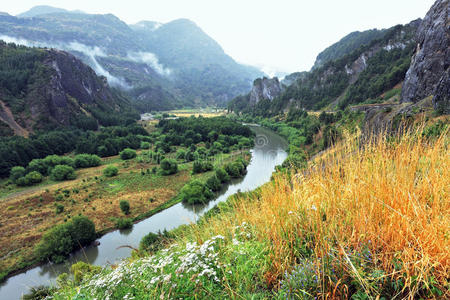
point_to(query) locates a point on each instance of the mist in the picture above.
(151, 60)
(90, 52)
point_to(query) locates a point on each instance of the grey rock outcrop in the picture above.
(265, 88)
(428, 73)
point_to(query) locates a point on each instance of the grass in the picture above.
(367, 222)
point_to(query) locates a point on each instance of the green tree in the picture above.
(110, 171)
(127, 154)
(169, 166)
(124, 206)
(62, 172)
(16, 173)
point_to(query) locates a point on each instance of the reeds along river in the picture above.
(269, 151)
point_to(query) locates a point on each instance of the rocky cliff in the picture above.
(265, 89)
(429, 70)
(50, 88)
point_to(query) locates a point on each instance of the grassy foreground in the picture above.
(366, 222)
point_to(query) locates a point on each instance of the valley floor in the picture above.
(28, 212)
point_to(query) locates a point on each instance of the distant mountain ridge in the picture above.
(162, 66)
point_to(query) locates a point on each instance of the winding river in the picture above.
(269, 151)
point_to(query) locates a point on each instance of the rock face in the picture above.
(265, 88)
(428, 73)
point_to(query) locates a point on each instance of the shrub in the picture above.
(201, 166)
(148, 242)
(145, 145)
(234, 169)
(22, 181)
(16, 173)
(222, 175)
(63, 239)
(181, 154)
(62, 172)
(124, 223)
(214, 183)
(82, 270)
(34, 177)
(127, 154)
(195, 192)
(124, 206)
(87, 160)
(110, 171)
(169, 166)
(59, 208)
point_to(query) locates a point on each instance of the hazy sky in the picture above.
(277, 35)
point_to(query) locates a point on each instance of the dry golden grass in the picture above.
(389, 196)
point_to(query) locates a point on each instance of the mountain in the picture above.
(351, 76)
(162, 66)
(42, 89)
(428, 74)
(41, 10)
(347, 44)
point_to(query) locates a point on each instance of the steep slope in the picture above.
(363, 74)
(428, 74)
(42, 89)
(346, 45)
(161, 65)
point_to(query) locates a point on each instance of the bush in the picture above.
(214, 183)
(63, 239)
(222, 175)
(145, 145)
(110, 171)
(16, 173)
(124, 223)
(153, 241)
(62, 172)
(124, 206)
(127, 154)
(235, 169)
(59, 208)
(34, 177)
(181, 154)
(86, 161)
(201, 166)
(195, 192)
(22, 181)
(82, 270)
(169, 166)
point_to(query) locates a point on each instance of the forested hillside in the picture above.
(43, 89)
(378, 64)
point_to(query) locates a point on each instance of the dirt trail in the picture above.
(7, 117)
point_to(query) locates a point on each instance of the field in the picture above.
(206, 112)
(28, 212)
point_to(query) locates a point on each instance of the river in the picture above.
(269, 151)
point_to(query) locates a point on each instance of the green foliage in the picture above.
(124, 206)
(16, 172)
(127, 154)
(59, 208)
(213, 183)
(110, 171)
(222, 175)
(38, 292)
(124, 223)
(62, 172)
(181, 154)
(169, 166)
(235, 169)
(145, 145)
(87, 160)
(195, 192)
(201, 166)
(63, 239)
(82, 271)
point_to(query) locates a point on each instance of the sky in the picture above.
(277, 36)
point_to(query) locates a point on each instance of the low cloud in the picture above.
(150, 60)
(90, 52)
